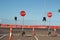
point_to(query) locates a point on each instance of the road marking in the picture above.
(36, 37)
(3, 36)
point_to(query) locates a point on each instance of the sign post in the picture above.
(23, 13)
(15, 18)
(49, 16)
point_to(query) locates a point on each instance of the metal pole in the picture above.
(16, 23)
(23, 33)
(23, 24)
(15, 18)
(49, 31)
(49, 26)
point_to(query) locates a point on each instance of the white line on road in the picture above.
(36, 37)
(3, 36)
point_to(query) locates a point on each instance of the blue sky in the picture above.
(35, 11)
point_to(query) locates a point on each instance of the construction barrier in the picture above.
(10, 37)
(28, 26)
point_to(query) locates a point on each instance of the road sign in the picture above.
(44, 19)
(59, 10)
(49, 14)
(22, 13)
(15, 18)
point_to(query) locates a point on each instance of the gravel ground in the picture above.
(41, 34)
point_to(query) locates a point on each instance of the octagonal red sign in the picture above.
(22, 13)
(49, 14)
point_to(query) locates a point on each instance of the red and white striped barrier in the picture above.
(33, 33)
(27, 26)
(10, 37)
(54, 34)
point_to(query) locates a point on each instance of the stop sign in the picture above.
(22, 13)
(49, 14)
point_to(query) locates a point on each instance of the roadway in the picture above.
(41, 34)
